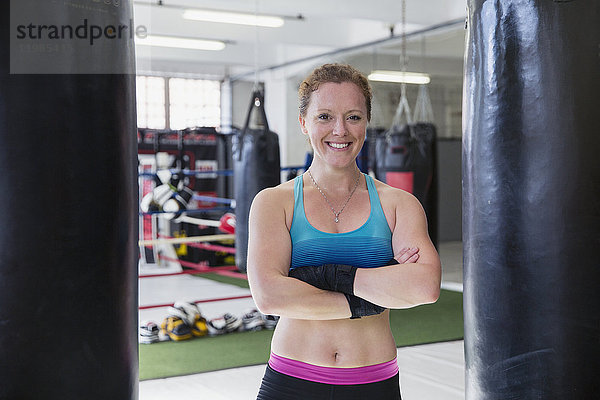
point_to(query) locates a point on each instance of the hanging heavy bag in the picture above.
(426, 184)
(256, 166)
(370, 142)
(395, 150)
(405, 158)
(69, 254)
(531, 200)
(394, 158)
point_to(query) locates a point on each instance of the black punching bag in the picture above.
(68, 226)
(256, 166)
(531, 197)
(405, 157)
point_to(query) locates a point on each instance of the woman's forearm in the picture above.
(399, 286)
(292, 298)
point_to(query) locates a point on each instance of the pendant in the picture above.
(336, 219)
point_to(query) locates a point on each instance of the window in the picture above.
(176, 103)
(194, 103)
(150, 102)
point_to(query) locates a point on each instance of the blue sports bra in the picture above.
(368, 246)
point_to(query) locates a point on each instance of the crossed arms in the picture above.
(415, 280)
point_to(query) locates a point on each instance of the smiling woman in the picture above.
(336, 122)
(331, 251)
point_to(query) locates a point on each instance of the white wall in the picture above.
(242, 96)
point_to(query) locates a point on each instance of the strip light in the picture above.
(400, 77)
(180, 42)
(233, 18)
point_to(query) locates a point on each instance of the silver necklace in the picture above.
(335, 213)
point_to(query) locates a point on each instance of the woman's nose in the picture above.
(339, 128)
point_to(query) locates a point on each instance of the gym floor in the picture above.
(427, 372)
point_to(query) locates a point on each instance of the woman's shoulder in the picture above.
(276, 197)
(275, 201)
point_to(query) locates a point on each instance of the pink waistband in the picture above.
(334, 375)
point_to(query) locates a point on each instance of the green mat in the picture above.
(430, 323)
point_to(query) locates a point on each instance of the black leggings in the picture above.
(278, 386)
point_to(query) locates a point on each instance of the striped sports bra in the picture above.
(368, 246)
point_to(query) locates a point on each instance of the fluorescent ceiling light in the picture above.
(400, 77)
(180, 42)
(233, 18)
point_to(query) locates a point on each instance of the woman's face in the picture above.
(336, 122)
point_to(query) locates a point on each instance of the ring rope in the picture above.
(191, 172)
(186, 211)
(207, 246)
(213, 199)
(199, 268)
(197, 221)
(190, 239)
(213, 247)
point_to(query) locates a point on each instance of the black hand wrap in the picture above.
(361, 307)
(336, 277)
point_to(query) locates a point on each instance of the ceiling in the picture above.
(326, 27)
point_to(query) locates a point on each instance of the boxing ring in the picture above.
(166, 278)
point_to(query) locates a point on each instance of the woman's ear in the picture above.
(302, 124)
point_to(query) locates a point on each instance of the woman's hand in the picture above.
(415, 280)
(269, 253)
(407, 255)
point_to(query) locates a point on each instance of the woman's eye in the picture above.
(323, 116)
(355, 117)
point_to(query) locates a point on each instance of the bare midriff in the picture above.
(336, 343)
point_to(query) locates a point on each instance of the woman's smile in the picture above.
(339, 146)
